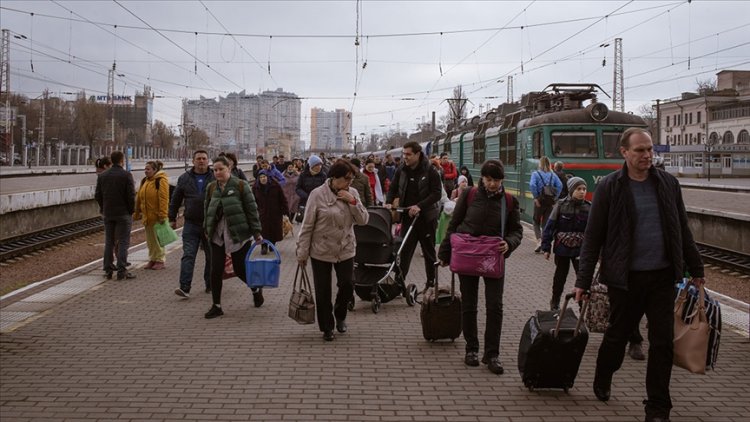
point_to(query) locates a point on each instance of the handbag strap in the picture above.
(304, 281)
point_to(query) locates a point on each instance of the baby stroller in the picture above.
(377, 271)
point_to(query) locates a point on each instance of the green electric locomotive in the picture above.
(563, 122)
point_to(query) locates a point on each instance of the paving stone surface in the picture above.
(133, 350)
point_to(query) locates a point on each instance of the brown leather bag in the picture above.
(691, 338)
(302, 303)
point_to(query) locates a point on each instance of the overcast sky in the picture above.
(396, 69)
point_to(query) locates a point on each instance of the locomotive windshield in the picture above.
(574, 144)
(611, 142)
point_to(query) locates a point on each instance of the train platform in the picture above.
(90, 349)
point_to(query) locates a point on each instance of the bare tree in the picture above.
(91, 120)
(197, 139)
(706, 86)
(162, 136)
(647, 113)
(457, 104)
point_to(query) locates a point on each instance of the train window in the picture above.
(511, 149)
(574, 144)
(611, 142)
(479, 150)
(537, 145)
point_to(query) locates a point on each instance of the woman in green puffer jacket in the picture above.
(231, 221)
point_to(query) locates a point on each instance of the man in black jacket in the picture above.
(638, 225)
(115, 194)
(417, 186)
(191, 187)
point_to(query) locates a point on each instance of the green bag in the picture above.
(164, 233)
(442, 227)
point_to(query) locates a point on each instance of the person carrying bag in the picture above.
(481, 213)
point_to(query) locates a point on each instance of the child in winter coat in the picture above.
(565, 227)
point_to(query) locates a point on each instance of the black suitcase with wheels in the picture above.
(552, 347)
(441, 312)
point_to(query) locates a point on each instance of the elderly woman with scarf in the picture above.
(272, 207)
(291, 175)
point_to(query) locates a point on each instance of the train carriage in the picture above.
(552, 123)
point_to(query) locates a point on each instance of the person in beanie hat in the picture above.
(565, 228)
(311, 178)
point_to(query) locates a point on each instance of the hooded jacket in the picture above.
(152, 204)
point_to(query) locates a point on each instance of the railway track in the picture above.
(31, 242)
(725, 258)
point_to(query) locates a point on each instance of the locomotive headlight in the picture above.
(598, 111)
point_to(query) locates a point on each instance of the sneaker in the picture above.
(182, 293)
(125, 276)
(214, 312)
(258, 298)
(328, 335)
(635, 351)
(538, 249)
(157, 266)
(208, 289)
(150, 265)
(108, 275)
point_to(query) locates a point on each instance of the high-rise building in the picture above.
(267, 123)
(328, 129)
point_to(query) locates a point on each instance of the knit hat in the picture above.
(462, 178)
(574, 182)
(314, 160)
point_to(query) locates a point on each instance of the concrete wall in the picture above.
(721, 229)
(31, 220)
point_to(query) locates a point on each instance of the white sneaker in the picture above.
(182, 293)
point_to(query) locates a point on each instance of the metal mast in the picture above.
(5, 82)
(618, 99)
(111, 97)
(509, 100)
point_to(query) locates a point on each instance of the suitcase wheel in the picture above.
(376, 304)
(411, 294)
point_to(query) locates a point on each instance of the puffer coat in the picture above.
(152, 204)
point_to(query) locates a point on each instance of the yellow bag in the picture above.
(691, 339)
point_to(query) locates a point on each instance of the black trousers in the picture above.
(424, 234)
(217, 267)
(324, 310)
(562, 267)
(493, 295)
(652, 293)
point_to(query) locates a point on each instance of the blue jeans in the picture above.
(192, 239)
(117, 229)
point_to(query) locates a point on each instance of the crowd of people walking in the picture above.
(636, 229)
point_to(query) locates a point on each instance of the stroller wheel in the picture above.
(375, 305)
(411, 294)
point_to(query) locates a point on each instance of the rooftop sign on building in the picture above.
(118, 99)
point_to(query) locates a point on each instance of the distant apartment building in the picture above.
(133, 118)
(328, 129)
(708, 127)
(267, 123)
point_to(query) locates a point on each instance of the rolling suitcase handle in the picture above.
(453, 283)
(577, 330)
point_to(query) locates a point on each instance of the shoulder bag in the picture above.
(691, 333)
(302, 304)
(478, 255)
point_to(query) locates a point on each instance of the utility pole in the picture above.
(111, 97)
(509, 99)
(42, 120)
(5, 88)
(618, 99)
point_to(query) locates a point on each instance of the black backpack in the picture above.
(548, 196)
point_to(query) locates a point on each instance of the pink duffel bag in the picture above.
(477, 255)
